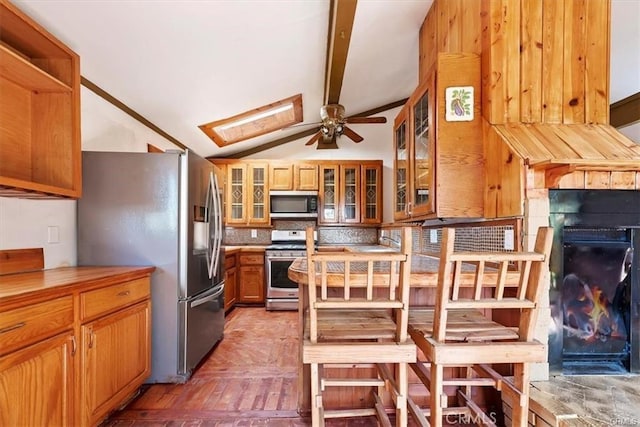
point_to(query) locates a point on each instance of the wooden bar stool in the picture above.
(357, 318)
(461, 331)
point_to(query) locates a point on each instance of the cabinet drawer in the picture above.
(229, 262)
(251, 259)
(25, 325)
(111, 298)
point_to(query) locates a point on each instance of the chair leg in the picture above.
(436, 390)
(402, 378)
(317, 419)
(520, 411)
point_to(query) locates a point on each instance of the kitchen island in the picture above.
(424, 280)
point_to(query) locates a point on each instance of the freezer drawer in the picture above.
(202, 327)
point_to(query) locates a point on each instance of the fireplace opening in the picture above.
(595, 290)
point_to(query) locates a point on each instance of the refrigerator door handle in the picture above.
(208, 249)
(214, 221)
(208, 298)
(219, 218)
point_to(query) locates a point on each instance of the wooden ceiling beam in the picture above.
(625, 111)
(341, 16)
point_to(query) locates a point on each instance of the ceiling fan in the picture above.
(334, 124)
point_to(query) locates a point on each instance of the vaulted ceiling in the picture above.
(180, 64)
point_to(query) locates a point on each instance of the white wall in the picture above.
(25, 223)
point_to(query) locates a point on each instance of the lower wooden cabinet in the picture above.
(230, 282)
(72, 355)
(115, 359)
(251, 280)
(36, 384)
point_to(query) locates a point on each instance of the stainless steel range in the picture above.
(287, 245)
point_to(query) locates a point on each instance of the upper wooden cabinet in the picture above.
(293, 176)
(439, 162)
(350, 192)
(305, 176)
(414, 152)
(39, 110)
(246, 193)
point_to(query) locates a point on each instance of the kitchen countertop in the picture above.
(56, 280)
(231, 249)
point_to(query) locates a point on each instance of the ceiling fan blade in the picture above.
(327, 143)
(314, 138)
(366, 120)
(352, 135)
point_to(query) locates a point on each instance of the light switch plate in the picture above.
(254, 234)
(433, 236)
(53, 234)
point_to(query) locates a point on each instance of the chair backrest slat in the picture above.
(502, 278)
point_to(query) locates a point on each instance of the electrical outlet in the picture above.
(53, 234)
(433, 236)
(254, 234)
(508, 240)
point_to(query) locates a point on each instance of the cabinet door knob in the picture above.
(74, 345)
(123, 293)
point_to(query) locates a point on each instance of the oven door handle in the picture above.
(284, 258)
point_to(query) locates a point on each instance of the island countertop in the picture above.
(424, 273)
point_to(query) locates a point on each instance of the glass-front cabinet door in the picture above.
(371, 194)
(422, 141)
(258, 193)
(236, 194)
(350, 193)
(401, 165)
(328, 194)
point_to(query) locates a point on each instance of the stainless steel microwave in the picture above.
(293, 204)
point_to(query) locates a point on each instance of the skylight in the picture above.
(256, 122)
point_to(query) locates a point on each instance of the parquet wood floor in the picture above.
(249, 379)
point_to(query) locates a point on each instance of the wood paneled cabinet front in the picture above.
(350, 193)
(230, 281)
(116, 351)
(39, 110)
(285, 176)
(37, 383)
(251, 278)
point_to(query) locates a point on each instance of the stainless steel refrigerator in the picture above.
(165, 210)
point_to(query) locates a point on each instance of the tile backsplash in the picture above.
(326, 235)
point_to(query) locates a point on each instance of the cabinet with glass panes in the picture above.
(350, 192)
(439, 161)
(414, 148)
(247, 201)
